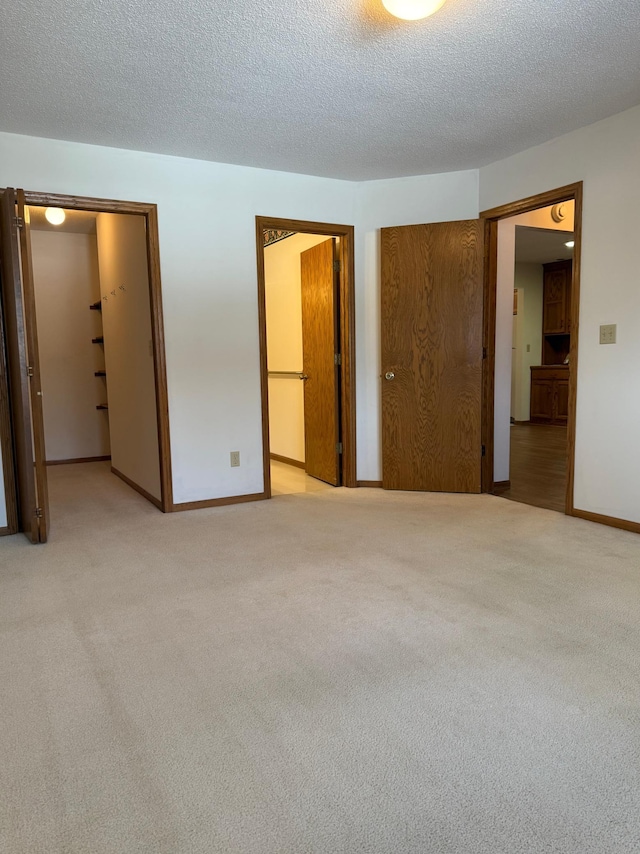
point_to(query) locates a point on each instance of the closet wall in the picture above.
(284, 342)
(66, 283)
(126, 321)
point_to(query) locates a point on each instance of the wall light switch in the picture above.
(608, 334)
(235, 458)
(528, 348)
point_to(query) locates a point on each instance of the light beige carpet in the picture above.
(342, 672)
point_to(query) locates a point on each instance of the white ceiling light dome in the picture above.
(412, 10)
(56, 216)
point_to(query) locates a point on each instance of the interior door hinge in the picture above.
(337, 359)
(38, 512)
(18, 221)
(29, 371)
(339, 448)
(484, 450)
(336, 266)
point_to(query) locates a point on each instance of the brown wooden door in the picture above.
(24, 371)
(319, 349)
(432, 322)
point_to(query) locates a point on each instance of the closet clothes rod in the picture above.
(286, 375)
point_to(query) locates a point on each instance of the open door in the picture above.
(432, 328)
(319, 362)
(25, 392)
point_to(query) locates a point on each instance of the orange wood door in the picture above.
(319, 348)
(432, 325)
(24, 369)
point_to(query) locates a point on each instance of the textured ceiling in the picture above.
(324, 87)
(541, 245)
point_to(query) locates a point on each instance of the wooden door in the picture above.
(319, 349)
(432, 324)
(24, 370)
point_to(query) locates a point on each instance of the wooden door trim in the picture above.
(492, 216)
(150, 213)
(9, 451)
(347, 337)
(6, 437)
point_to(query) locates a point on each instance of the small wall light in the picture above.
(570, 244)
(56, 216)
(412, 10)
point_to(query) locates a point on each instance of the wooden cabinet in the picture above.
(556, 319)
(549, 394)
(556, 315)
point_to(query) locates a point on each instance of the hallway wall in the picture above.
(284, 342)
(530, 283)
(128, 349)
(66, 283)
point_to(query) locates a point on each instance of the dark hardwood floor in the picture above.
(538, 466)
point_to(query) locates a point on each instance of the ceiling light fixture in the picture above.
(55, 216)
(570, 244)
(412, 10)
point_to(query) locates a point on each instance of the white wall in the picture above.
(284, 342)
(128, 353)
(207, 245)
(206, 217)
(504, 349)
(65, 268)
(529, 283)
(605, 156)
(400, 201)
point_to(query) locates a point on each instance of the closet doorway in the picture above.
(84, 352)
(305, 289)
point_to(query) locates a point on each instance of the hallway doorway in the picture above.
(532, 315)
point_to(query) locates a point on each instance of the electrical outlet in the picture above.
(235, 458)
(608, 334)
(528, 348)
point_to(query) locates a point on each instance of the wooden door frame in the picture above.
(150, 213)
(347, 337)
(570, 192)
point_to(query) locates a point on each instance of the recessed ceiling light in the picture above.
(570, 243)
(55, 216)
(412, 10)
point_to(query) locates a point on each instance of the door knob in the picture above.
(389, 375)
(304, 377)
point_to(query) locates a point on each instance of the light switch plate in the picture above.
(608, 334)
(235, 458)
